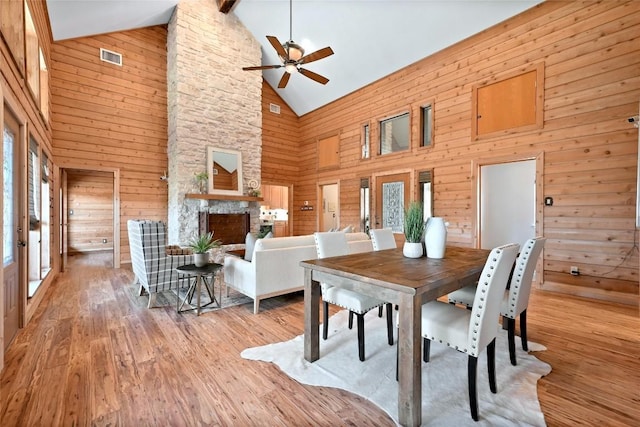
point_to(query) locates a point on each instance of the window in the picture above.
(32, 53)
(426, 125)
(365, 213)
(394, 134)
(34, 185)
(40, 201)
(426, 193)
(366, 141)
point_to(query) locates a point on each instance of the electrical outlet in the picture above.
(574, 271)
(104, 240)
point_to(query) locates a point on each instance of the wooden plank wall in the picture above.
(591, 56)
(90, 196)
(106, 116)
(279, 141)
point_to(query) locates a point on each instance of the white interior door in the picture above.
(507, 203)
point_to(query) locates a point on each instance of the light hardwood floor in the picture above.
(95, 355)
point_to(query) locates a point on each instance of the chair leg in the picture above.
(152, 300)
(350, 319)
(472, 370)
(360, 319)
(491, 365)
(325, 320)
(380, 311)
(389, 323)
(523, 330)
(511, 335)
(426, 349)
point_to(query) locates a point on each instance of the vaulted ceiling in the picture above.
(370, 38)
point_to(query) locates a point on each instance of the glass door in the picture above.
(11, 240)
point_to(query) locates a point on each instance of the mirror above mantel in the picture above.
(224, 167)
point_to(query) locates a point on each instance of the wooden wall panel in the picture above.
(90, 197)
(590, 52)
(110, 117)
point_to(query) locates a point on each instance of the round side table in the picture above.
(199, 275)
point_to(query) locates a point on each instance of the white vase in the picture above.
(412, 250)
(200, 260)
(435, 237)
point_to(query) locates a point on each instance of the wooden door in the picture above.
(12, 233)
(392, 196)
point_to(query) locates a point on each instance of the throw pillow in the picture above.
(249, 243)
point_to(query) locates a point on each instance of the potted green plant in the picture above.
(413, 230)
(202, 180)
(201, 245)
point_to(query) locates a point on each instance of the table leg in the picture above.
(190, 290)
(311, 317)
(409, 360)
(198, 290)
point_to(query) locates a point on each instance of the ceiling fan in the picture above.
(292, 56)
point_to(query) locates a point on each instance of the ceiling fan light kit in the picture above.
(292, 56)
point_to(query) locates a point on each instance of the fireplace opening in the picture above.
(230, 228)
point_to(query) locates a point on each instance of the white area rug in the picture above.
(444, 379)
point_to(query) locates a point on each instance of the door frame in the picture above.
(116, 204)
(476, 166)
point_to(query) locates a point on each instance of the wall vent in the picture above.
(110, 57)
(274, 108)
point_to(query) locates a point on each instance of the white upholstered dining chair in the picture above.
(471, 331)
(382, 238)
(329, 244)
(516, 300)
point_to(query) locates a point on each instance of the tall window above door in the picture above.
(366, 141)
(394, 134)
(426, 125)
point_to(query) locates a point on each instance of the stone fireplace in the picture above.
(211, 102)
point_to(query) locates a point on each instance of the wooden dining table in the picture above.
(406, 282)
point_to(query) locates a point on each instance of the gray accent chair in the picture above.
(154, 262)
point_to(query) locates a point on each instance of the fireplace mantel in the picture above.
(223, 197)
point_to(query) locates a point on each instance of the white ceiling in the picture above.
(370, 38)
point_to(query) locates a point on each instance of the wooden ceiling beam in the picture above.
(225, 6)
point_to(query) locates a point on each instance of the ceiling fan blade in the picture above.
(284, 80)
(262, 67)
(314, 56)
(314, 76)
(278, 47)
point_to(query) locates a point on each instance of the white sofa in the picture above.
(275, 269)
